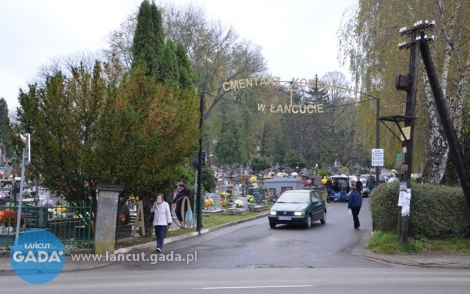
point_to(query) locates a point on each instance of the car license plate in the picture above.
(284, 218)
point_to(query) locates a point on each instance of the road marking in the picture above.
(254, 287)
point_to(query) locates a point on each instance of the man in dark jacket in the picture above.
(370, 183)
(359, 186)
(329, 189)
(178, 196)
(355, 203)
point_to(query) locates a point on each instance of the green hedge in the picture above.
(435, 211)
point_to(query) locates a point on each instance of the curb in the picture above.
(188, 235)
(64, 269)
(417, 264)
(87, 267)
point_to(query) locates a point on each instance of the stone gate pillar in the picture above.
(105, 229)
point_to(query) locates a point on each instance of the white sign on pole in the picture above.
(377, 157)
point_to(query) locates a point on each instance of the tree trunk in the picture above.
(437, 151)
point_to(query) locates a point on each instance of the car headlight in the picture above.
(272, 212)
(299, 213)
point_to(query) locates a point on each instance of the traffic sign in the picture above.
(377, 157)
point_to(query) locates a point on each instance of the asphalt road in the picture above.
(252, 258)
(254, 245)
(250, 280)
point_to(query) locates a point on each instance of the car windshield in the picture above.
(294, 198)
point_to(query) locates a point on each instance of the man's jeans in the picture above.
(342, 194)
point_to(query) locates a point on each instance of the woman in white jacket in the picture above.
(161, 220)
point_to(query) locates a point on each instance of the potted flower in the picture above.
(239, 203)
(208, 203)
(250, 198)
(223, 204)
(224, 196)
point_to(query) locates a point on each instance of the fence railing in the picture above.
(72, 224)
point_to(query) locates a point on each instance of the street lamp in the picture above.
(199, 167)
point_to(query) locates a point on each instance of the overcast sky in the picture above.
(298, 37)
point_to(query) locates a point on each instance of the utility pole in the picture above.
(377, 140)
(409, 84)
(455, 148)
(199, 167)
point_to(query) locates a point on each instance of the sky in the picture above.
(298, 37)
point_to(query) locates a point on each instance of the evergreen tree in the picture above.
(148, 40)
(4, 127)
(187, 78)
(230, 148)
(260, 163)
(169, 64)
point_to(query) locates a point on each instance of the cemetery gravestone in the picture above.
(259, 194)
(34, 217)
(272, 192)
(245, 202)
(216, 199)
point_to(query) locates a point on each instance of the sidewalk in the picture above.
(432, 260)
(70, 265)
(457, 260)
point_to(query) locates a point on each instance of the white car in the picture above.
(391, 179)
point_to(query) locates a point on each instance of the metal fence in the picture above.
(72, 224)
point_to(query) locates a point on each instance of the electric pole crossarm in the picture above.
(396, 119)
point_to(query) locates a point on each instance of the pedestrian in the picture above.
(329, 189)
(359, 186)
(370, 183)
(180, 192)
(161, 220)
(355, 204)
(343, 185)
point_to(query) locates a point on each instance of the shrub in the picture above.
(435, 211)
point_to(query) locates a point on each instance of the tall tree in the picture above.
(169, 64)
(216, 52)
(187, 78)
(295, 159)
(148, 41)
(5, 138)
(84, 128)
(259, 163)
(375, 61)
(230, 148)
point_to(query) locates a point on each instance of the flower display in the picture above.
(250, 198)
(48, 202)
(239, 203)
(224, 194)
(8, 218)
(209, 202)
(223, 204)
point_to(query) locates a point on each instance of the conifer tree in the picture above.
(169, 64)
(148, 40)
(187, 78)
(4, 123)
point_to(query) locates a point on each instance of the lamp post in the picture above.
(199, 167)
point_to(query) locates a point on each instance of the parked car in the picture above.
(298, 207)
(351, 180)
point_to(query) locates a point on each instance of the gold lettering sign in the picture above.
(235, 85)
